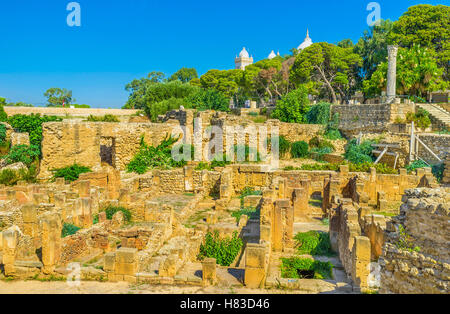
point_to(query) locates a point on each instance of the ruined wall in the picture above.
(68, 142)
(426, 269)
(370, 118)
(438, 143)
(81, 112)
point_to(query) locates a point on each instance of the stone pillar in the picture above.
(188, 178)
(391, 89)
(83, 212)
(168, 267)
(84, 188)
(126, 264)
(300, 204)
(124, 197)
(51, 241)
(209, 274)
(266, 217)
(255, 266)
(60, 182)
(10, 239)
(282, 183)
(361, 261)
(283, 225)
(30, 220)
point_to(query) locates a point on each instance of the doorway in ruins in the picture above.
(108, 150)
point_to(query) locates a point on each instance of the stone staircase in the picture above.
(439, 116)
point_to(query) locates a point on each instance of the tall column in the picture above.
(51, 241)
(392, 74)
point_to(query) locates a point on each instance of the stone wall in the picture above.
(370, 118)
(438, 143)
(79, 112)
(422, 265)
(68, 142)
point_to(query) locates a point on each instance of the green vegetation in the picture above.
(111, 210)
(31, 124)
(313, 243)
(68, 230)
(247, 191)
(208, 99)
(359, 153)
(421, 118)
(293, 107)
(223, 250)
(57, 97)
(2, 133)
(300, 149)
(284, 146)
(22, 153)
(305, 268)
(250, 212)
(70, 173)
(11, 177)
(405, 241)
(437, 169)
(150, 157)
(105, 118)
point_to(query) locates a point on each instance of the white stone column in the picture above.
(392, 74)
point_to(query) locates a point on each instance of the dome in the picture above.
(244, 54)
(272, 55)
(308, 42)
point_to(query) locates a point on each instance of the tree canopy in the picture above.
(58, 97)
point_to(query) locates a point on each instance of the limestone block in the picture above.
(209, 275)
(51, 240)
(168, 268)
(151, 211)
(255, 256)
(361, 254)
(20, 139)
(252, 200)
(254, 277)
(109, 262)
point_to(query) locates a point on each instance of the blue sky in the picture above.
(122, 40)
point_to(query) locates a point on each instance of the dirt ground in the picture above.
(37, 287)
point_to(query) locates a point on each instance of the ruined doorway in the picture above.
(108, 150)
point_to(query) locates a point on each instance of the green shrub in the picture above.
(300, 149)
(359, 153)
(105, 118)
(293, 107)
(223, 250)
(68, 230)
(9, 177)
(70, 173)
(421, 118)
(3, 115)
(319, 143)
(305, 268)
(365, 167)
(250, 212)
(111, 210)
(22, 153)
(437, 169)
(208, 99)
(319, 114)
(251, 154)
(314, 243)
(247, 191)
(2, 133)
(405, 241)
(150, 157)
(31, 124)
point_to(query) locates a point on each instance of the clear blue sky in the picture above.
(126, 39)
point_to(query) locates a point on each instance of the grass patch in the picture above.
(68, 230)
(223, 250)
(306, 268)
(251, 212)
(314, 243)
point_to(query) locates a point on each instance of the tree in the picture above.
(184, 75)
(3, 115)
(58, 96)
(328, 66)
(372, 47)
(417, 73)
(346, 43)
(209, 99)
(156, 77)
(428, 26)
(293, 107)
(227, 82)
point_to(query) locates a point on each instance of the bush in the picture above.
(250, 212)
(284, 146)
(164, 106)
(3, 115)
(313, 243)
(31, 124)
(421, 118)
(319, 114)
(2, 133)
(68, 230)
(305, 268)
(437, 170)
(317, 142)
(70, 173)
(105, 118)
(9, 177)
(251, 154)
(111, 210)
(209, 99)
(365, 167)
(223, 250)
(300, 149)
(150, 157)
(22, 153)
(293, 107)
(359, 153)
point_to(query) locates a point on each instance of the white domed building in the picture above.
(243, 60)
(306, 43)
(271, 55)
